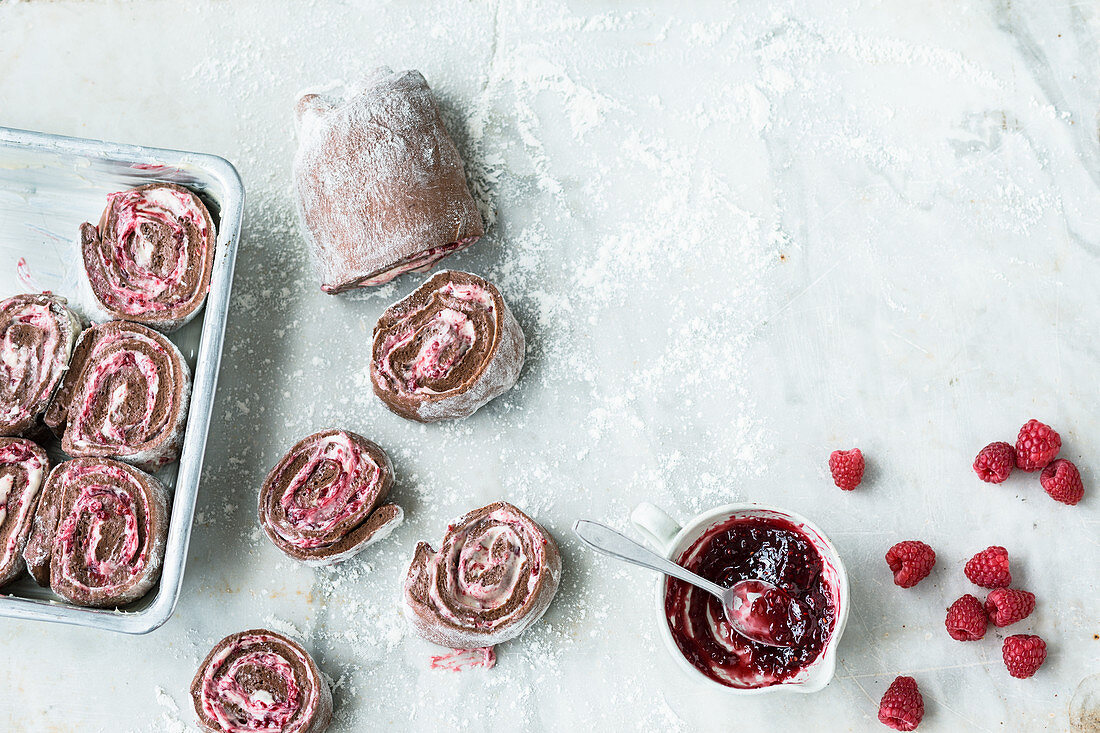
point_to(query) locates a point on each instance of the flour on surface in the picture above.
(691, 217)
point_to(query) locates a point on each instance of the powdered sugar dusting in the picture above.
(170, 720)
(567, 292)
(284, 627)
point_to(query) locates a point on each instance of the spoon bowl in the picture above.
(671, 540)
(761, 612)
(755, 609)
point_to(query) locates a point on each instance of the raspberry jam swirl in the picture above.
(751, 547)
(446, 349)
(324, 501)
(99, 532)
(100, 511)
(37, 334)
(260, 682)
(493, 576)
(149, 260)
(420, 262)
(101, 417)
(419, 358)
(125, 396)
(23, 467)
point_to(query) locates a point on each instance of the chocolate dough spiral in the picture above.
(151, 256)
(446, 349)
(99, 531)
(493, 577)
(125, 396)
(37, 335)
(23, 469)
(258, 681)
(324, 500)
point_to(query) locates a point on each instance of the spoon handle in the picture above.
(606, 540)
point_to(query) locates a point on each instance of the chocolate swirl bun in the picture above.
(23, 468)
(151, 256)
(37, 335)
(324, 500)
(125, 396)
(494, 576)
(381, 189)
(446, 349)
(260, 682)
(99, 531)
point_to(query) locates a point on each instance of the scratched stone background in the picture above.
(737, 236)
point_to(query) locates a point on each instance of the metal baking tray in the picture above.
(49, 184)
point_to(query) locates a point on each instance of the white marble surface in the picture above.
(737, 235)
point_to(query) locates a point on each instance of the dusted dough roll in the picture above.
(258, 681)
(493, 577)
(446, 349)
(125, 396)
(99, 532)
(37, 336)
(23, 469)
(381, 188)
(149, 260)
(325, 499)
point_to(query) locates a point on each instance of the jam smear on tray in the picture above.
(751, 547)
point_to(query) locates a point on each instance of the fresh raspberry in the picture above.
(1023, 655)
(1036, 445)
(902, 706)
(1008, 605)
(989, 568)
(966, 619)
(911, 562)
(1062, 481)
(995, 462)
(847, 468)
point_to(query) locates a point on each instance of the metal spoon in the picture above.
(782, 625)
